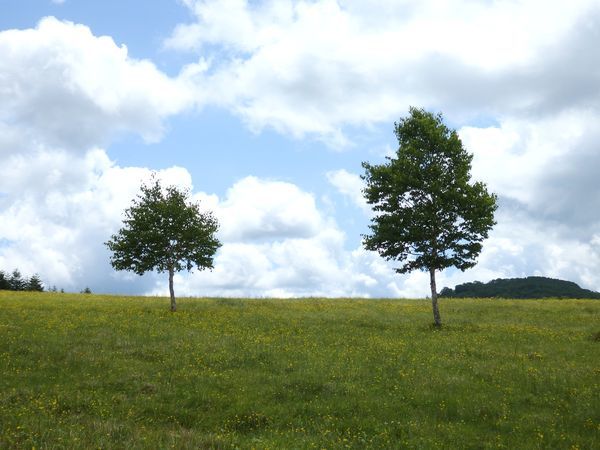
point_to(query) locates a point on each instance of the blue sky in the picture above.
(268, 109)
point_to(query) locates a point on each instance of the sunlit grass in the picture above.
(86, 371)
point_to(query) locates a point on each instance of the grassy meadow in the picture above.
(87, 371)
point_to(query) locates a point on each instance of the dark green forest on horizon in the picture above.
(16, 282)
(529, 287)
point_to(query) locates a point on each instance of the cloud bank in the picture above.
(315, 68)
(517, 79)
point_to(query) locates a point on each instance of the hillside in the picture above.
(91, 371)
(529, 287)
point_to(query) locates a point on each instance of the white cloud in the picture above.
(284, 264)
(543, 168)
(316, 67)
(506, 34)
(350, 185)
(512, 156)
(261, 209)
(64, 87)
(277, 242)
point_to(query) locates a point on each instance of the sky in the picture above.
(266, 110)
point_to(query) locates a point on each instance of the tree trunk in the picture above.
(172, 291)
(437, 320)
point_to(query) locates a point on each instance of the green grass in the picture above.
(86, 371)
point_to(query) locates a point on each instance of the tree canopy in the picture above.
(34, 284)
(163, 231)
(16, 282)
(428, 214)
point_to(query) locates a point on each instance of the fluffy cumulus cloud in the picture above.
(544, 171)
(350, 185)
(63, 87)
(278, 242)
(316, 67)
(255, 209)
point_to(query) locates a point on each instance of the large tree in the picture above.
(164, 231)
(428, 214)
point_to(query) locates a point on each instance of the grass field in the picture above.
(86, 371)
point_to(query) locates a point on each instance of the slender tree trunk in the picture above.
(172, 291)
(437, 320)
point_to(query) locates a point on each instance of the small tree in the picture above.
(162, 231)
(16, 281)
(428, 214)
(35, 284)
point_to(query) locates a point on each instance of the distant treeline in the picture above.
(530, 287)
(16, 282)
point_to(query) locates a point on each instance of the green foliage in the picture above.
(296, 374)
(162, 231)
(529, 287)
(34, 284)
(4, 281)
(15, 282)
(429, 215)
